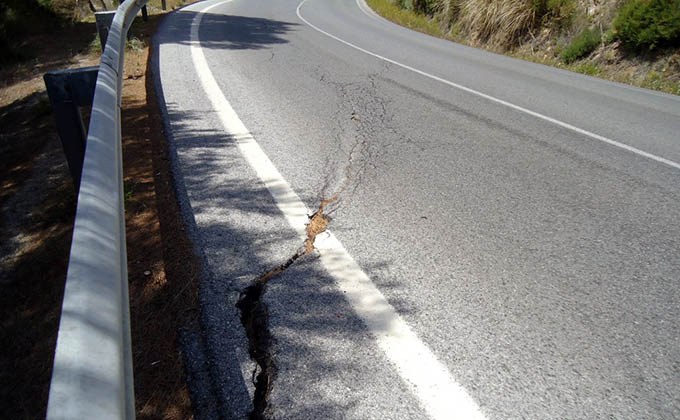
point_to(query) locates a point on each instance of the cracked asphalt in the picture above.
(539, 265)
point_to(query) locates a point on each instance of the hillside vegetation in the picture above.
(19, 18)
(631, 41)
(22, 21)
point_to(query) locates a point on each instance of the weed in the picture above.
(652, 80)
(648, 24)
(402, 4)
(554, 13)
(424, 7)
(128, 191)
(657, 81)
(586, 68)
(582, 45)
(406, 18)
(608, 36)
(135, 44)
(95, 47)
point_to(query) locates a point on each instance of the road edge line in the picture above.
(427, 378)
(494, 99)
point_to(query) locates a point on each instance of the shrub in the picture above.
(648, 24)
(582, 45)
(555, 13)
(425, 7)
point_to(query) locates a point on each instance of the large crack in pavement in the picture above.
(363, 106)
(255, 319)
(371, 134)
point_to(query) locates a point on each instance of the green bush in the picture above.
(582, 45)
(648, 24)
(402, 4)
(556, 13)
(424, 7)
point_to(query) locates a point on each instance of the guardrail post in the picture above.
(69, 90)
(104, 20)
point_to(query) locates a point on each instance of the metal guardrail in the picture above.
(92, 374)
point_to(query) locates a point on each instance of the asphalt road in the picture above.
(519, 224)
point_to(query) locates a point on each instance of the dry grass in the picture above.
(493, 23)
(497, 23)
(162, 269)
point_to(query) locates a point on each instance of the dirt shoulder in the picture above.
(38, 206)
(162, 269)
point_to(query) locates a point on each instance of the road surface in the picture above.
(505, 241)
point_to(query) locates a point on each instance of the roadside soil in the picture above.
(37, 203)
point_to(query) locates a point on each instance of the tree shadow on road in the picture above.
(226, 31)
(238, 233)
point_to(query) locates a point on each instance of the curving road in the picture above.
(505, 243)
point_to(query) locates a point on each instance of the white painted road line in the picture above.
(441, 396)
(491, 98)
(367, 10)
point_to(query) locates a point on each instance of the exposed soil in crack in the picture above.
(318, 222)
(255, 319)
(364, 135)
(254, 315)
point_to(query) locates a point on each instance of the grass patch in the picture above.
(655, 80)
(95, 46)
(135, 44)
(128, 191)
(407, 18)
(586, 68)
(581, 46)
